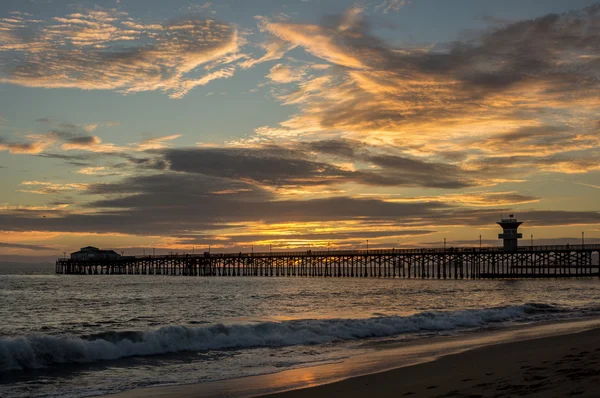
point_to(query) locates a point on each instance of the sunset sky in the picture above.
(175, 125)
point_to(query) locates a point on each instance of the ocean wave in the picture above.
(38, 351)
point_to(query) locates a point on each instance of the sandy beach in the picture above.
(559, 366)
(493, 364)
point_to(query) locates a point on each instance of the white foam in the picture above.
(36, 351)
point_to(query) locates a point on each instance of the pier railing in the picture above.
(484, 249)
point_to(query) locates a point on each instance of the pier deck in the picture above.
(449, 263)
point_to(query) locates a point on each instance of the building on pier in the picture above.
(510, 234)
(93, 253)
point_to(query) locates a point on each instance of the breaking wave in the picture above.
(38, 351)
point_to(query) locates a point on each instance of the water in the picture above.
(78, 336)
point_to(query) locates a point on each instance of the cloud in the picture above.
(181, 204)
(525, 88)
(499, 105)
(38, 143)
(341, 148)
(90, 128)
(105, 49)
(71, 137)
(587, 185)
(45, 188)
(308, 236)
(286, 167)
(98, 171)
(26, 247)
(391, 5)
(271, 166)
(274, 49)
(175, 202)
(537, 140)
(81, 142)
(558, 163)
(476, 199)
(332, 44)
(285, 74)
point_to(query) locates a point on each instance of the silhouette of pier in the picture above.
(443, 263)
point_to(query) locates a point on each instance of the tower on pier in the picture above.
(510, 234)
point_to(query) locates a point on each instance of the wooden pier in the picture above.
(450, 263)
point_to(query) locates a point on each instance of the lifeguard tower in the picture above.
(510, 234)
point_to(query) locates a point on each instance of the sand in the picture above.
(559, 366)
(511, 363)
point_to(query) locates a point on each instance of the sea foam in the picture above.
(38, 351)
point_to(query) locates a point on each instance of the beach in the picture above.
(565, 362)
(558, 366)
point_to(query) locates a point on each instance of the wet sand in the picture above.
(504, 363)
(559, 366)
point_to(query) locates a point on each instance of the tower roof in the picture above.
(509, 222)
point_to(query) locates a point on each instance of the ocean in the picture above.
(79, 336)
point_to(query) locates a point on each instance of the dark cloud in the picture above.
(556, 217)
(174, 202)
(430, 174)
(343, 148)
(162, 186)
(277, 166)
(27, 247)
(210, 198)
(83, 141)
(82, 156)
(563, 163)
(17, 147)
(272, 166)
(180, 203)
(532, 132)
(523, 51)
(73, 137)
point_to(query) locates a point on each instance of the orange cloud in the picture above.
(45, 188)
(80, 51)
(322, 42)
(285, 74)
(464, 104)
(37, 144)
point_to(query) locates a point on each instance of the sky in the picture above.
(241, 125)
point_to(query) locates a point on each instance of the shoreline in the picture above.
(557, 366)
(421, 362)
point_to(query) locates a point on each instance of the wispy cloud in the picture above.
(286, 74)
(475, 199)
(47, 188)
(105, 49)
(391, 5)
(70, 137)
(24, 246)
(101, 171)
(587, 185)
(36, 144)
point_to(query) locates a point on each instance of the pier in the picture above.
(443, 263)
